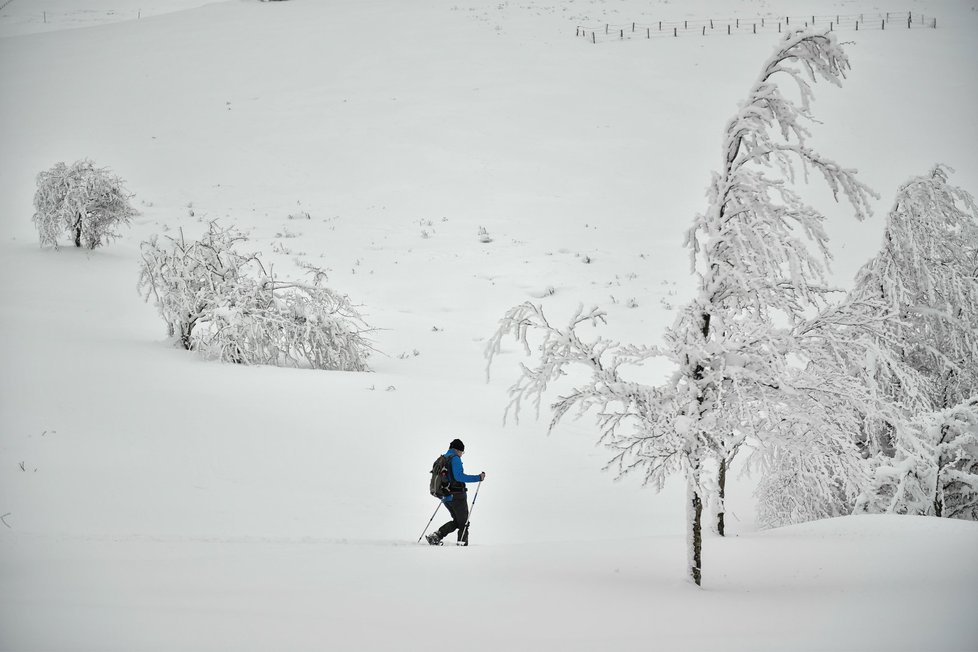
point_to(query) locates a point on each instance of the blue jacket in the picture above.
(458, 473)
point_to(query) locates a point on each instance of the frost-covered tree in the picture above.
(927, 273)
(740, 348)
(225, 304)
(82, 200)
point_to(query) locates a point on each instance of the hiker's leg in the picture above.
(461, 516)
(453, 506)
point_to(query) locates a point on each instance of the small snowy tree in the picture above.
(927, 273)
(738, 348)
(223, 303)
(85, 201)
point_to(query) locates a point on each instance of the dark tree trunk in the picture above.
(696, 570)
(695, 518)
(722, 482)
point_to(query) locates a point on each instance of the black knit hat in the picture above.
(457, 445)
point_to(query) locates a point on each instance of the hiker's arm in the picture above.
(459, 473)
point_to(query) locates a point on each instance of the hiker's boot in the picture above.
(433, 539)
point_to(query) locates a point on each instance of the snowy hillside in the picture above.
(153, 500)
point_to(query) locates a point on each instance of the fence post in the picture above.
(648, 32)
(593, 40)
(857, 25)
(674, 31)
(779, 27)
(831, 26)
(755, 28)
(633, 27)
(704, 30)
(622, 35)
(685, 24)
(728, 29)
(884, 25)
(711, 23)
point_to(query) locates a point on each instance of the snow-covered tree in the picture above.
(741, 347)
(223, 303)
(927, 273)
(82, 200)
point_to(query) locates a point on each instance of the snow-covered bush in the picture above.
(742, 349)
(84, 201)
(933, 469)
(223, 303)
(809, 475)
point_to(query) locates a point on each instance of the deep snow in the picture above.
(156, 501)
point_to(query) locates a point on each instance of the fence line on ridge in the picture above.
(767, 25)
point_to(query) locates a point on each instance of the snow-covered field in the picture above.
(155, 501)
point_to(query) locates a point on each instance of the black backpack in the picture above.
(440, 477)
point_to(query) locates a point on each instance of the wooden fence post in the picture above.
(704, 30)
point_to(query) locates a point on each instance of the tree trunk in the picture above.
(722, 484)
(78, 231)
(941, 462)
(694, 529)
(694, 507)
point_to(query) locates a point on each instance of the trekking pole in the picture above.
(430, 520)
(465, 530)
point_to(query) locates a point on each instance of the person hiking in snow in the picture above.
(456, 501)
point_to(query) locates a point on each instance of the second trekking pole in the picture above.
(429, 521)
(465, 531)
